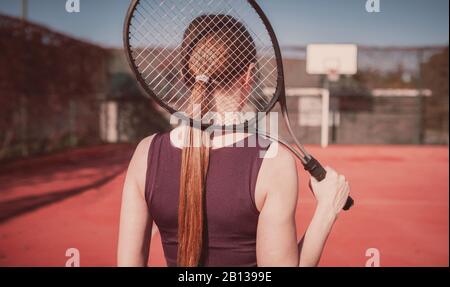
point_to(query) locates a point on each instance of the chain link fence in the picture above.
(399, 96)
(52, 88)
(58, 92)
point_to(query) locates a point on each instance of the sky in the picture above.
(296, 22)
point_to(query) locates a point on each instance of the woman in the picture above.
(216, 204)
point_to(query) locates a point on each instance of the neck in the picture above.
(219, 140)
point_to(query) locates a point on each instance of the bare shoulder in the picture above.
(138, 165)
(278, 175)
(280, 157)
(279, 163)
(143, 147)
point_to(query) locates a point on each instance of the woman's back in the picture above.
(231, 213)
(205, 201)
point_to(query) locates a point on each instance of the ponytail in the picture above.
(194, 167)
(211, 45)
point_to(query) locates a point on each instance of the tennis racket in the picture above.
(161, 37)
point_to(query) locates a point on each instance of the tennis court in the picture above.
(72, 200)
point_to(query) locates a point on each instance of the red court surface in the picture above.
(72, 200)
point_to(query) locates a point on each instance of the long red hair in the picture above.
(211, 45)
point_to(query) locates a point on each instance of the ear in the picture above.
(249, 74)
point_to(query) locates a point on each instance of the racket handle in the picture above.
(317, 171)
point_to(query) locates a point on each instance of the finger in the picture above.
(345, 186)
(348, 188)
(343, 197)
(330, 171)
(344, 190)
(340, 185)
(342, 178)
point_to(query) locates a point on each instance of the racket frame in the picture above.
(310, 163)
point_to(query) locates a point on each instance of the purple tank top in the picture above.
(231, 213)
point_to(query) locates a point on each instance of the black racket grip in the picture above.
(317, 171)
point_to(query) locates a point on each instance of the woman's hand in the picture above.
(332, 192)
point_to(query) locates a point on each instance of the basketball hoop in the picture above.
(333, 75)
(332, 60)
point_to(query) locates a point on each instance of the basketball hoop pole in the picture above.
(324, 141)
(331, 61)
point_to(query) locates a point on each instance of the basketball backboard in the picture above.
(326, 59)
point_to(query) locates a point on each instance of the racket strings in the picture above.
(157, 31)
(252, 97)
(209, 54)
(184, 50)
(147, 47)
(233, 100)
(160, 27)
(210, 58)
(168, 64)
